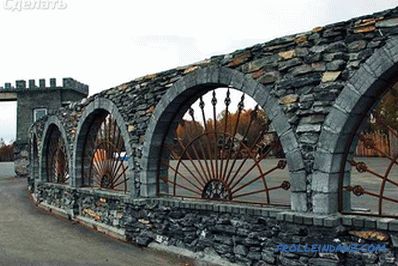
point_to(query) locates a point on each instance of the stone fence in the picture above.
(315, 88)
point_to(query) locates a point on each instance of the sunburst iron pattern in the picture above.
(224, 148)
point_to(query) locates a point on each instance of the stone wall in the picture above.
(243, 235)
(102, 207)
(313, 86)
(21, 160)
(296, 78)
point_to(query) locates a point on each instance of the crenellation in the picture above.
(70, 83)
(32, 84)
(67, 84)
(20, 84)
(53, 82)
(42, 83)
(7, 86)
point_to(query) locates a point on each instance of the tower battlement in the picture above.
(31, 84)
(36, 98)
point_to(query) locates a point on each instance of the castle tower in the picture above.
(35, 101)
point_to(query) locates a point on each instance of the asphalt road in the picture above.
(30, 236)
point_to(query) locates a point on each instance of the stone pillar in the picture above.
(21, 160)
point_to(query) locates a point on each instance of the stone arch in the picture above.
(53, 122)
(34, 158)
(193, 85)
(99, 107)
(357, 98)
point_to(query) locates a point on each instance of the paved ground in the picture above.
(372, 183)
(29, 236)
(273, 179)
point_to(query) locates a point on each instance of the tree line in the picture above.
(6, 151)
(230, 134)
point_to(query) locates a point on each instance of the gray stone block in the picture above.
(280, 123)
(271, 105)
(289, 217)
(298, 201)
(358, 222)
(237, 81)
(393, 226)
(391, 48)
(251, 86)
(364, 80)
(148, 190)
(272, 213)
(370, 223)
(382, 223)
(332, 221)
(261, 96)
(346, 220)
(327, 162)
(264, 213)
(308, 220)
(379, 63)
(298, 181)
(324, 203)
(318, 221)
(295, 161)
(298, 219)
(280, 216)
(329, 140)
(348, 99)
(289, 141)
(325, 182)
(336, 120)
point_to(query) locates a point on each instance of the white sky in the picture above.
(106, 43)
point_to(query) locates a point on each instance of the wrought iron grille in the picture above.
(374, 163)
(224, 148)
(57, 161)
(106, 155)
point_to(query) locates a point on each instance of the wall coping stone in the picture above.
(89, 191)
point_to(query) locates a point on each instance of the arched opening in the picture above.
(104, 157)
(56, 158)
(369, 179)
(221, 146)
(342, 129)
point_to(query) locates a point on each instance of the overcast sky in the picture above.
(106, 43)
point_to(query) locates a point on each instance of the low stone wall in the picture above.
(312, 85)
(102, 207)
(99, 206)
(59, 196)
(241, 234)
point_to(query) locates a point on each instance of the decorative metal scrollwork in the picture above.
(106, 154)
(227, 155)
(378, 168)
(57, 161)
